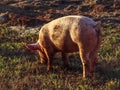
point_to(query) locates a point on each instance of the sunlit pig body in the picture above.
(69, 34)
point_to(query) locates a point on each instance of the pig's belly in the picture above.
(67, 47)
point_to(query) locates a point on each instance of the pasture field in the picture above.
(20, 69)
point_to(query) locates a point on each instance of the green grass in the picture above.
(20, 69)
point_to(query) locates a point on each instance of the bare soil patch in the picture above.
(36, 12)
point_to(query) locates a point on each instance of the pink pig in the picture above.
(69, 34)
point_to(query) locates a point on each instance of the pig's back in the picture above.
(63, 32)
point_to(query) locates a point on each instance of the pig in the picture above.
(66, 35)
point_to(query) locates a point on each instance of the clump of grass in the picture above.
(110, 49)
(113, 85)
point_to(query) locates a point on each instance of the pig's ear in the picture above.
(34, 46)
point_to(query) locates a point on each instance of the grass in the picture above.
(21, 70)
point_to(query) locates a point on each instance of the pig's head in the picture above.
(36, 47)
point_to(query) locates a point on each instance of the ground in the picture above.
(37, 12)
(20, 69)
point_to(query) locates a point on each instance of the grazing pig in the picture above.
(69, 34)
